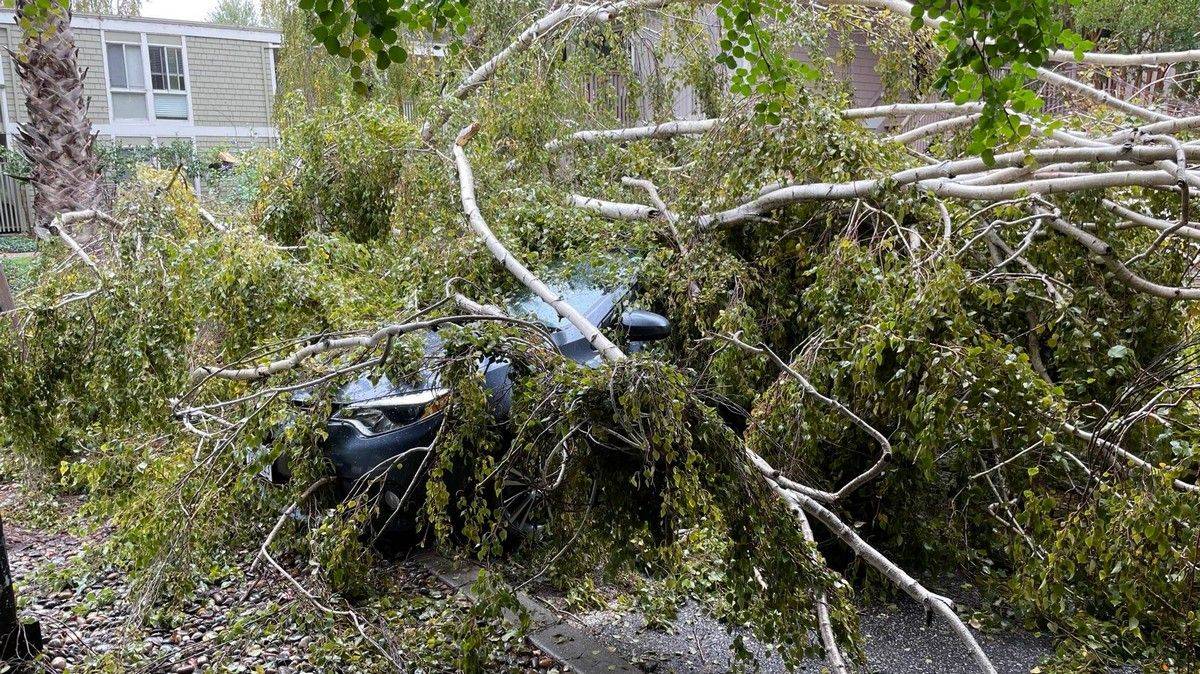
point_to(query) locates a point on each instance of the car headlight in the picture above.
(381, 415)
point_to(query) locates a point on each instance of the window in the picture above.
(166, 68)
(167, 80)
(127, 80)
(125, 67)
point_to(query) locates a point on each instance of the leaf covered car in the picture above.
(381, 432)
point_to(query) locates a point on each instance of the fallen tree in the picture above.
(975, 363)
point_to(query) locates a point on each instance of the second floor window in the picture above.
(127, 79)
(167, 80)
(166, 68)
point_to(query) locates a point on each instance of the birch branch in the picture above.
(1190, 230)
(802, 503)
(833, 654)
(934, 128)
(781, 196)
(283, 518)
(923, 179)
(472, 307)
(367, 341)
(688, 127)
(1103, 97)
(540, 29)
(652, 194)
(614, 210)
(1118, 453)
(1107, 256)
(902, 109)
(884, 445)
(654, 131)
(59, 227)
(466, 179)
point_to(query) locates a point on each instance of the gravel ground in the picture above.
(241, 624)
(226, 627)
(896, 638)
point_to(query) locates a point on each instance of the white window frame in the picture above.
(147, 43)
(124, 52)
(148, 89)
(167, 74)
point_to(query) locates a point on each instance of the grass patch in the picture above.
(17, 244)
(20, 271)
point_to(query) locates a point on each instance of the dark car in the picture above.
(380, 432)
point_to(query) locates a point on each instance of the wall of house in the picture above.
(91, 58)
(230, 82)
(230, 142)
(860, 72)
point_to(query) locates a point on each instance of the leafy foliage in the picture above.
(1117, 572)
(356, 224)
(1141, 25)
(993, 48)
(337, 179)
(374, 30)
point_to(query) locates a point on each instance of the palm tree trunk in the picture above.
(58, 137)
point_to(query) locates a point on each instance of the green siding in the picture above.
(229, 81)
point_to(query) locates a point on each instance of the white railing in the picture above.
(16, 205)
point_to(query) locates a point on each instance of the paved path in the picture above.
(896, 638)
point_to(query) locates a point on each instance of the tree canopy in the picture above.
(235, 13)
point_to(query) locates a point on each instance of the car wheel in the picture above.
(524, 505)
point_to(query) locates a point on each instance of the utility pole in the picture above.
(17, 641)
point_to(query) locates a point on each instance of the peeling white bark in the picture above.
(902, 109)
(466, 179)
(614, 210)
(934, 128)
(926, 178)
(542, 28)
(657, 131)
(651, 193)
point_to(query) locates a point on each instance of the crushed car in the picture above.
(380, 431)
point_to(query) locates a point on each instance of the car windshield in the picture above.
(582, 288)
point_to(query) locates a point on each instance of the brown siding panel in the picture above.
(866, 83)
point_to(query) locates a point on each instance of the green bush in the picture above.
(336, 171)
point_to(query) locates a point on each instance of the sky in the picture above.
(188, 10)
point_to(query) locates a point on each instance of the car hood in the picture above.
(373, 386)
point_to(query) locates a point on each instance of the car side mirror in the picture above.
(645, 326)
